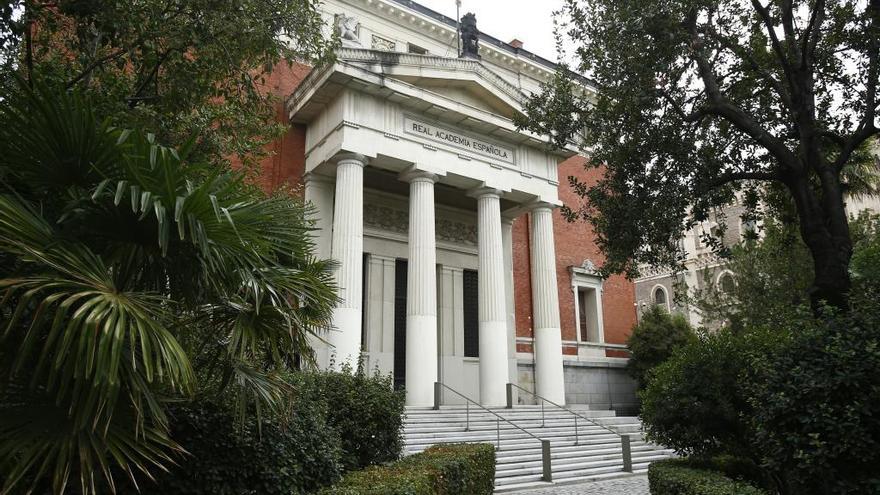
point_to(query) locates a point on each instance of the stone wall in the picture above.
(599, 384)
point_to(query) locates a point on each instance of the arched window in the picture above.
(660, 298)
(726, 283)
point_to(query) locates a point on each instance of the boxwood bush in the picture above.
(335, 422)
(683, 477)
(267, 456)
(653, 341)
(363, 408)
(451, 469)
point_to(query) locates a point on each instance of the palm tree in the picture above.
(129, 277)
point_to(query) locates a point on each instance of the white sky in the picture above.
(529, 21)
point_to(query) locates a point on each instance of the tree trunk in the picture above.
(825, 231)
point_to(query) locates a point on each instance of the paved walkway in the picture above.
(631, 485)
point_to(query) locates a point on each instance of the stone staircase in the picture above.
(596, 454)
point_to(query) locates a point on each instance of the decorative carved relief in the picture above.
(386, 218)
(382, 44)
(390, 219)
(456, 232)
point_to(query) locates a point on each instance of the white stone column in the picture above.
(492, 295)
(348, 251)
(549, 376)
(319, 192)
(507, 243)
(421, 291)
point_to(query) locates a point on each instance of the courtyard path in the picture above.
(631, 485)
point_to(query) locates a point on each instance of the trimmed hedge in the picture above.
(451, 469)
(682, 477)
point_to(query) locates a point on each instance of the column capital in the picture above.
(482, 191)
(356, 158)
(313, 178)
(540, 205)
(416, 174)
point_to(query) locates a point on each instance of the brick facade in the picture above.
(575, 242)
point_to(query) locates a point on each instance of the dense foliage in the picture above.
(680, 477)
(272, 455)
(814, 408)
(774, 271)
(693, 402)
(295, 449)
(773, 274)
(799, 401)
(177, 68)
(653, 340)
(364, 409)
(695, 100)
(133, 274)
(453, 469)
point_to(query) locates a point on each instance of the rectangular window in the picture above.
(471, 314)
(588, 312)
(416, 49)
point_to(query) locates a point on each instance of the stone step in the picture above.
(593, 453)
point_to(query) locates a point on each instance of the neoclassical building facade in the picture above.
(454, 264)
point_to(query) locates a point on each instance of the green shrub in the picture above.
(682, 477)
(363, 408)
(693, 402)
(235, 458)
(453, 469)
(653, 341)
(815, 407)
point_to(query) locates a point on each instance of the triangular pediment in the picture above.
(468, 92)
(462, 80)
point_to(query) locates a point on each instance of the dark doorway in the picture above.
(471, 313)
(400, 277)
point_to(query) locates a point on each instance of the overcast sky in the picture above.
(530, 21)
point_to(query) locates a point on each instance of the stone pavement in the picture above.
(631, 485)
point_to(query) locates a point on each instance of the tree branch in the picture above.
(745, 56)
(94, 65)
(812, 33)
(774, 40)
(721, 107)
(734, 177)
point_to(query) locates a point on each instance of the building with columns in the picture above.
(454, 264)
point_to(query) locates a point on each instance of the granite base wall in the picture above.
(597, 384)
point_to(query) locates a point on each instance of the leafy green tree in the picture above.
(132, 275)
(772, 275)
(654, 339)
(178, 68)
(698, 98)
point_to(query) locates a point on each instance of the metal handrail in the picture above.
(545, 444)
(624, 438)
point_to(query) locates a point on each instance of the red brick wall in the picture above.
(285, 164)
(574, 243)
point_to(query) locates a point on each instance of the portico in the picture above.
(416, 171)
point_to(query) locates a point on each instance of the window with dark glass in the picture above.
(471, 314)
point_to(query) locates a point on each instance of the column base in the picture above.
(493, 363)
(549, 375)
(421, 359)
(345, 339)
